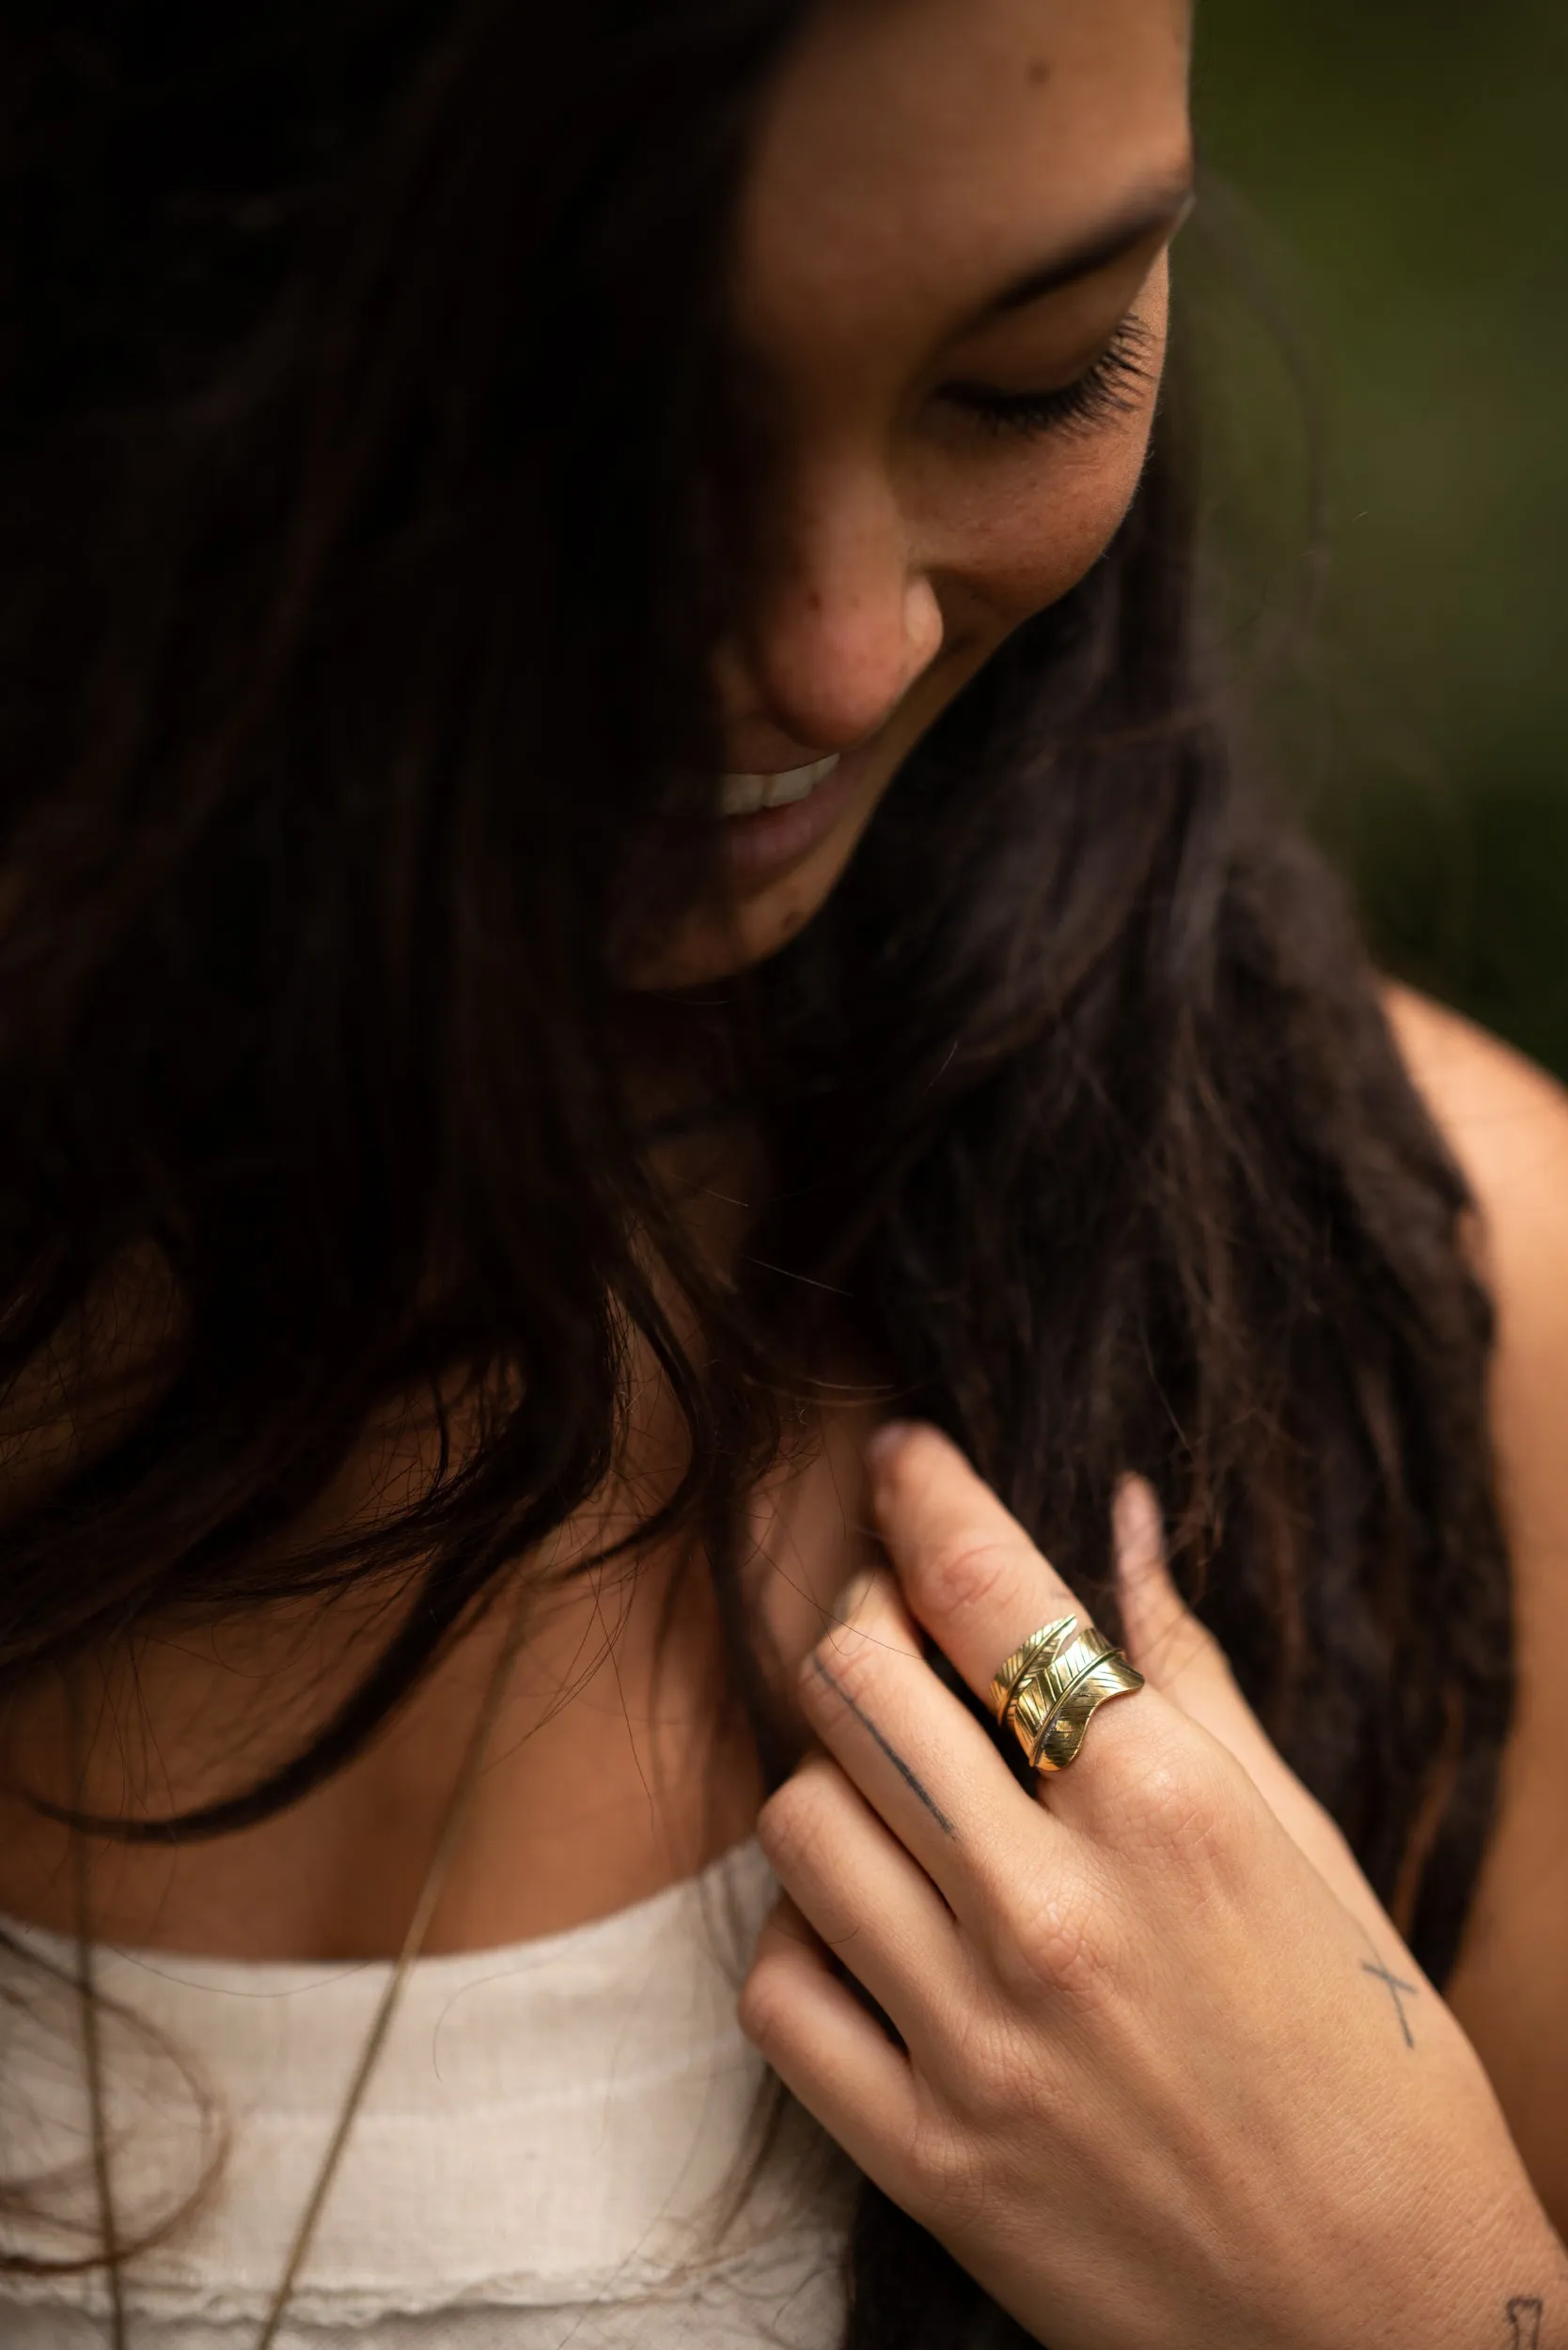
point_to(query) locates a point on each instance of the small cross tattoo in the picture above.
(1396, 1985)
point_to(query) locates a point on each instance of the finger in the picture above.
(832, 2056)
(874, 1908)
(1179, 1655)
(919, 1757)
(981, 1588)
(1185, 1661)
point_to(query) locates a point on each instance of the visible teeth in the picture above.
(742, 795)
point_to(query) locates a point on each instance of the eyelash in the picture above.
(1109, 389)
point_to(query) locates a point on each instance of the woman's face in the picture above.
(951, 302)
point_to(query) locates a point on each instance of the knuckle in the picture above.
(1056, 1935)
(946, 2167)
(848, 1663)
(997, 2068)
(765, 2005)
(791, 1826)
(963, 1576)
(1182, 1802)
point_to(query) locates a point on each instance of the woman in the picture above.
(619, 875)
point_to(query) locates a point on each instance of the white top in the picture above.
(540, 2159)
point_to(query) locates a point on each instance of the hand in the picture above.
(1168, 2076)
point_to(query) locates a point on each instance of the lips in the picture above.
(746, 795)
(760, 846)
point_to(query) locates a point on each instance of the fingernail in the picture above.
(889, 1440)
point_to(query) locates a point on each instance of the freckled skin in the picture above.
(915, 156)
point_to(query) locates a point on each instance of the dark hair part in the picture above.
(357, 427)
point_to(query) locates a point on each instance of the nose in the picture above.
(843, 622)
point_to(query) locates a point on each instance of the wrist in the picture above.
(1507, 2286)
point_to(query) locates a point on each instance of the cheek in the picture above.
(1048, 517)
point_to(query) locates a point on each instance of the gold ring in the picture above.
(1049, 1690)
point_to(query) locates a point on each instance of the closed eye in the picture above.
(1115, 385)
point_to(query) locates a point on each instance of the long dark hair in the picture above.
(361, 418)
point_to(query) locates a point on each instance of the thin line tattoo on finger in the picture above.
(891, 1752)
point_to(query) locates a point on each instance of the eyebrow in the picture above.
(1162, 210)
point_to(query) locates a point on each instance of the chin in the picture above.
(758, 922)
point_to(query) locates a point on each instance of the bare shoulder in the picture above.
(1506, 1122)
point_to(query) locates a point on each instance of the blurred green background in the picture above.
(1405, 166)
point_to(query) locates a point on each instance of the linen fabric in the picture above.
(542, 2159)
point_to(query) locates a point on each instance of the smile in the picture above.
(745, 795)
